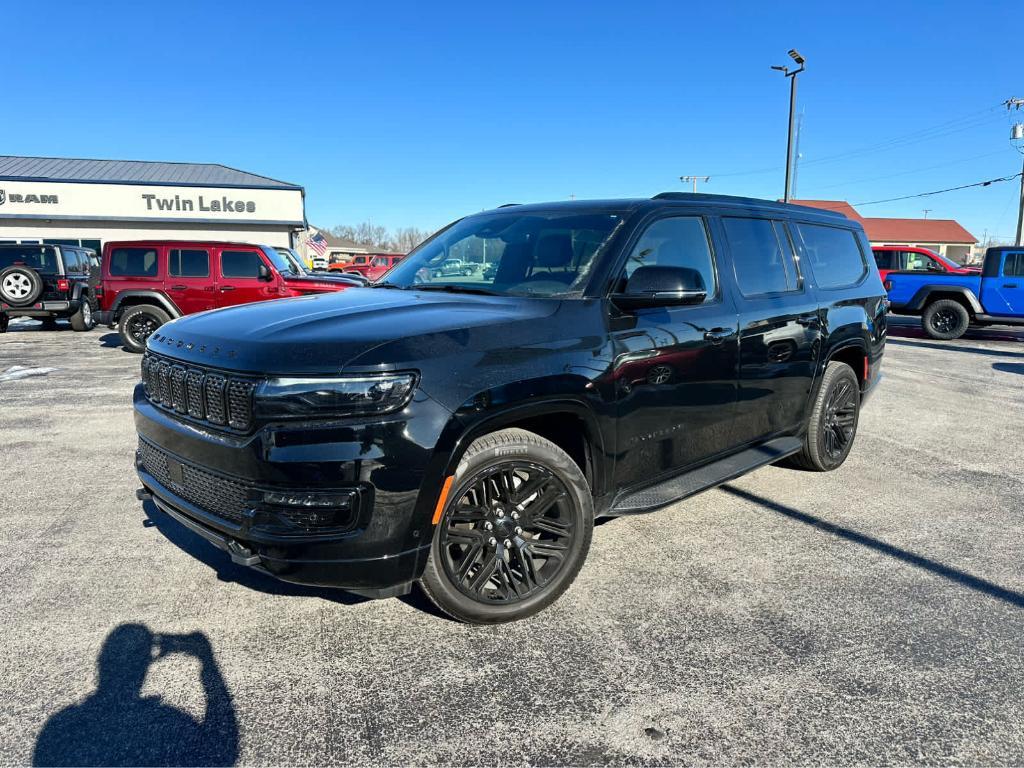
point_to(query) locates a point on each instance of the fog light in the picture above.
(309, 500)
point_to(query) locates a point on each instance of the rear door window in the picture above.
(1013, 266)
(244, 264)
(834, 255)
(884, 259)
(188, 262)
(762, 257)
(133, 262)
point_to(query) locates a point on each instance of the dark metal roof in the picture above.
(66, 169)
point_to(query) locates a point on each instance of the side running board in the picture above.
(717, 472)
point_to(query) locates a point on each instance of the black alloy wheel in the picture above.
(138, 323)
(508, 534)
(832, 424)
(514, 532)
(945, 319)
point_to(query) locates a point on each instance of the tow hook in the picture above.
(143, 494)
(241, 554)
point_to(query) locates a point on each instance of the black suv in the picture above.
(464, 431)
(48, 282)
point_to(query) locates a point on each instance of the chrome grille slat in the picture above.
(219, 399)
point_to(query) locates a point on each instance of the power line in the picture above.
(941, 191)
(940, 130)
(914, 170)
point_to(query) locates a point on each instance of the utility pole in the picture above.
(795, 56)
(1017, 134)
(926, 211)
(694, 179)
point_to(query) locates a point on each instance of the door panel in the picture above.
(674, 370)
(1009, 286)
(190, 282)
(779, 330)
(239, 281)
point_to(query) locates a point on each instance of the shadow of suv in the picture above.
(464, 431)
(48, 282)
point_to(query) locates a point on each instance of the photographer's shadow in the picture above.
(116, 725)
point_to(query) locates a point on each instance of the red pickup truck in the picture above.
(905, 258)
(146, 283)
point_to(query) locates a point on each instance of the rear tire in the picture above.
(83, 319)
(138, 323)
(514, 532)
(832, 425)
(945, 319)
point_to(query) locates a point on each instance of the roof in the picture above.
(899, 230)
(333, 241)
(13, 168)
(839, 206)
(917, 231)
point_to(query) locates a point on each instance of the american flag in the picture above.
(318, 243)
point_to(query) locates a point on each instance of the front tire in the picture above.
(138, 324)
(832, 425)
(514, 532)
(945, 319)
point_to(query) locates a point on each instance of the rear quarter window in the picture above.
(133, 262)
(834, 255)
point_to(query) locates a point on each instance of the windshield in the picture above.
(534, 253)
(297, 268)
(283, 265)
(37, 257)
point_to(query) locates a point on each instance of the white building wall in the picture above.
(15, 229)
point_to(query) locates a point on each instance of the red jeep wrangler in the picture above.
(148, 282)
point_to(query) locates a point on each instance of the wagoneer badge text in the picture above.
(176, 203)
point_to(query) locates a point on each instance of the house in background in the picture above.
(944, 236)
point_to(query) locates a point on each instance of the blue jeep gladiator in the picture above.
(948, 304)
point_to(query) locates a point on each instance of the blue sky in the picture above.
(417, 113)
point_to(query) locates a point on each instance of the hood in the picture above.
(324, 333)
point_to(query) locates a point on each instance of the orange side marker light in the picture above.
(442, 499)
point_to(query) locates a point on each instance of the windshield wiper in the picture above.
(386, 285)
(455, 289)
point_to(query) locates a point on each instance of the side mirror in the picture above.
(933, 267)
(657, 286)
(265, 273)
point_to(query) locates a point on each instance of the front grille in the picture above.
(219, 399)
(215, 494)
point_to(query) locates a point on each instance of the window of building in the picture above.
(95, 245)
(834, 255)
(240, 264)
(762, 256)
(678, 241)
(188, 262)
(133, 262)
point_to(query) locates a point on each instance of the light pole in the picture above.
(694, 179)
(795, 56)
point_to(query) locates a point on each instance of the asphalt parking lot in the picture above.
(871, 615)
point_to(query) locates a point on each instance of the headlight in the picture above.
(357, 395)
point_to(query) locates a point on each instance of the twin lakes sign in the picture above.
(141, 202)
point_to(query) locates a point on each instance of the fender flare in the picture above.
(923, 296)
(152, 297)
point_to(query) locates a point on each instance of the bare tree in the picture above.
(371, 235)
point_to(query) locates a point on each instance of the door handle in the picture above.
(178, 287)
(227, 288)
(718, 335)
(1009, 285)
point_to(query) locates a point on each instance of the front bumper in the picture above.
(379, 551)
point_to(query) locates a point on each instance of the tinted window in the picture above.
(833, 254)
(680, 241)
(761, 256)
(1014, 265)
(240, 264)
(532, 253)
(188, 262)
(883, 259)
(72, 260)
(37, 257)
(133, 262)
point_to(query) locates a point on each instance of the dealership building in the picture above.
(88, 202)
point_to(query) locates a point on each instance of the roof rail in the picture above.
(508, 205)
(736, 200)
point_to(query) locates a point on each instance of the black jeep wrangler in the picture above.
(463, 431)
(48, 282)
